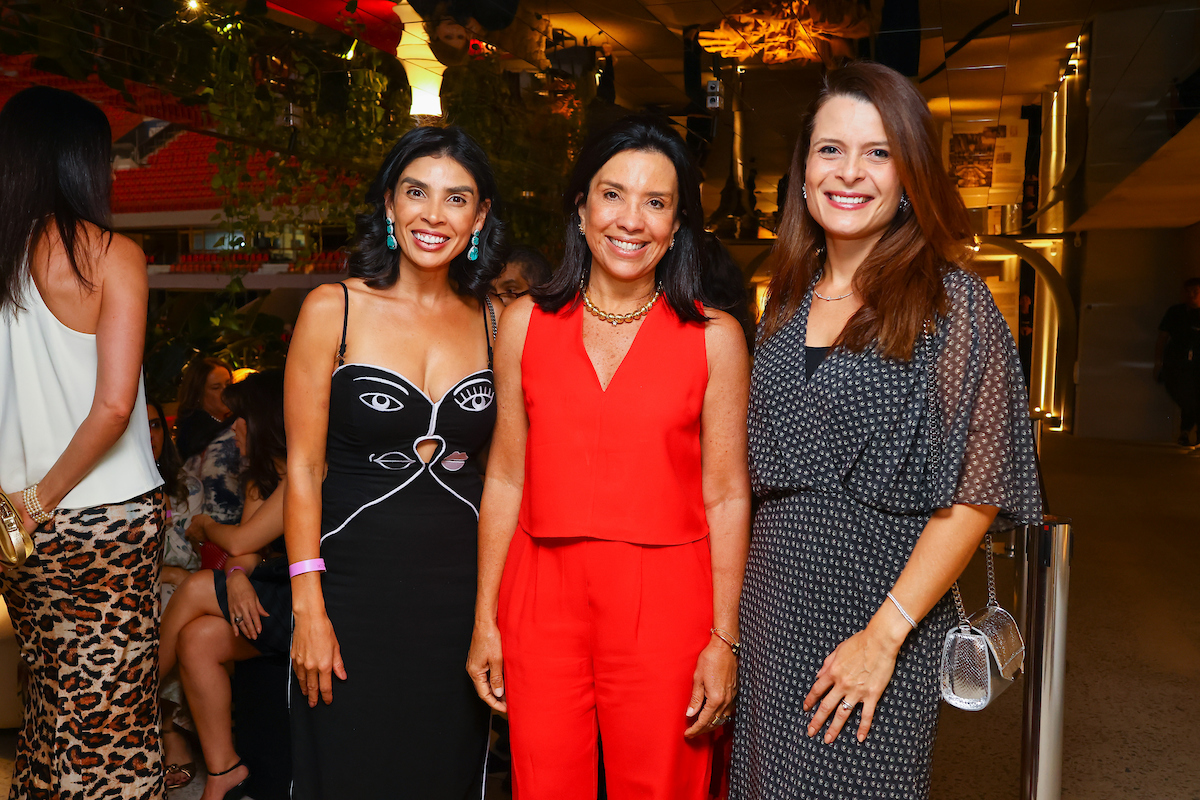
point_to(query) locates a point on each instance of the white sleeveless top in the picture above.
(47, 383)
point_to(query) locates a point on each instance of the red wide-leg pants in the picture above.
(602, 637)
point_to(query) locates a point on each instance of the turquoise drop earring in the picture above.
(473, 253)
(391, 233)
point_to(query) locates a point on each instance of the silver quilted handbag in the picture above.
(983, 653)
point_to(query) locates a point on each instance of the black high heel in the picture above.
(237, 792)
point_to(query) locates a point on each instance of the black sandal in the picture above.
(237, 792)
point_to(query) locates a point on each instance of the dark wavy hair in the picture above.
(379, 267)
(900, 282)
(55, 167)
(679, 270)
(258, 399)
(170, 465)
(535, 268)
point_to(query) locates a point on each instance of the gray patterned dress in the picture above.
(848, 467)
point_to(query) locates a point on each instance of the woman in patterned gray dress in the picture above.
(888, 429)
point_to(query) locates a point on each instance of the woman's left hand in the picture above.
(714, 688)
(857, 671)
(245, 609)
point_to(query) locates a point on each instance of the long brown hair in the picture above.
(195, 376)
(900, 282)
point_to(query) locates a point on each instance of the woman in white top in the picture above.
(75, 457)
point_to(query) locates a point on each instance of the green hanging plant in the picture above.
(531, 141)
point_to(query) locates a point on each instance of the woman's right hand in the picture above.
(485, 665)
(316, 657)
(196, 529)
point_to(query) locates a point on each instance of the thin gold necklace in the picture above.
(617, 319)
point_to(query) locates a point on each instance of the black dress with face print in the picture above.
(399, 542)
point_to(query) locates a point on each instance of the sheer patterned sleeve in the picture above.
(987, 454)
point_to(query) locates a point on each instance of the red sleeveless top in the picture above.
(621, 464)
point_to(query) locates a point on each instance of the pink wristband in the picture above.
(310, 565)
(232, 570)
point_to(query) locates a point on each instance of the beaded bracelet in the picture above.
(33, 506)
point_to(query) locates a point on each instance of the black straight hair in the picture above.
(258, 399)
(679, 270)
(170, 465)
(725, 286)
(55, 164)
(370, 258)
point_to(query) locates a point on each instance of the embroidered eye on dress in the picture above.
(381, 400)
(475, 395)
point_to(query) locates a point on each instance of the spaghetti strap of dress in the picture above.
(346, 322)
(490, 322)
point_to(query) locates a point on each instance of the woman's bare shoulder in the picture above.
(517, 314)
(721, 327)
(327, 299)
(104, 257)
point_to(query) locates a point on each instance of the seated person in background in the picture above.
(524, 268)
(202, 412)
(183, 497)
(220, 617)
(218, 467)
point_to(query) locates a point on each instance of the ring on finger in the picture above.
(846, 706)
(237, 620)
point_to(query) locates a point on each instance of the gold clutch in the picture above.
(15, 542)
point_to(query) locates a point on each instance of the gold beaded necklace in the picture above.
(617, 319)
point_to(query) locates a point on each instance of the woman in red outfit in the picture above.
(615, 517)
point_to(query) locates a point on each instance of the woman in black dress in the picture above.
(888, 429)
(389, 383)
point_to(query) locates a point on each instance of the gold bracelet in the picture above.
(728, 639)
(33, 506)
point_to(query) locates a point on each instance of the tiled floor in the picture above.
(1133, 656)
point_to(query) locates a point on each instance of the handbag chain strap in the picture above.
(991, 569)
(963, 621)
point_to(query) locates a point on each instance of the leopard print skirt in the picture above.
(85, 610)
